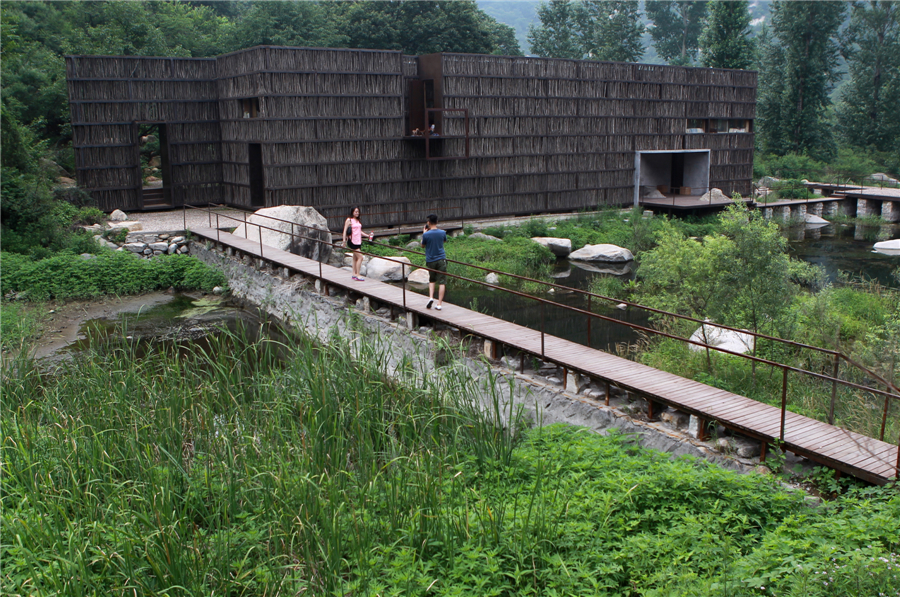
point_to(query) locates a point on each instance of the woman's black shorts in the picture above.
(354, 247)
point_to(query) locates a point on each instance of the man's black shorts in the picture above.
(438, 276)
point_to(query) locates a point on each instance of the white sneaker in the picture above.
(438, 307)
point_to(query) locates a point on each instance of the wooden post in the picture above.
(783, 401)
(608, 388)
(834, 391)
(762, 451)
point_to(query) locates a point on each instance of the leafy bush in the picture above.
(791, 165)
(791, 189)
(67, 275)
(117, 235)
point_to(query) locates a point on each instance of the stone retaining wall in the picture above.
(542, 390)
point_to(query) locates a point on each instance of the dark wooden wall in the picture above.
(109, 94)
(546, 135)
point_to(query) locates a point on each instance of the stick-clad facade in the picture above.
(332, 128)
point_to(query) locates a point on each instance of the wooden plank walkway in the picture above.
(849, 452)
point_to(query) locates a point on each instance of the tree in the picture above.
(676, 29)
(425, 27)
(798, 68)
(555, 36)
(598, 29)
(611, 30)
(725, 41)
(285, 24)
(868, 109)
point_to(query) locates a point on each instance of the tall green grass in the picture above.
(264, 468)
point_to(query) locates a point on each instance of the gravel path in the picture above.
(173, 220)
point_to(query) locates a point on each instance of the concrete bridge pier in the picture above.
(864, 207)
(816, 209)
(890, 211)
(830, 208)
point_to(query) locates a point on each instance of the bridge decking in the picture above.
(842, 450)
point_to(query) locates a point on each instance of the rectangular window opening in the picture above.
(250, 107)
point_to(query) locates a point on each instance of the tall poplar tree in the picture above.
(725, 41)
(798, 68)
(676, 28)
(610, 30)
(555, 37)
(868, 110)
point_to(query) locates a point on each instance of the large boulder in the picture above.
(767, 181)
(653, 194)
(483, 236)
(118, 216)
(722, 338)
(604, 253)
(882, 177)
(561, 247)
(387, 270)
(311, 237)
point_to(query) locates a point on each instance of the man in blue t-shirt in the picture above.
(435, 259)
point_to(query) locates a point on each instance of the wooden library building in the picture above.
(460, 135)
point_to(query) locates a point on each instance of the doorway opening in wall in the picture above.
(156, 174)
(670, 176)
(257, 182)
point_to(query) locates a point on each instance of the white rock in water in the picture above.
(561, 247)
(722, 338)
(812, 219)
(118, 216)
(311, 237)
(492, 278)
(605, 252)
(387, 271)
(419, 276)
(597, 267)
(888, 247)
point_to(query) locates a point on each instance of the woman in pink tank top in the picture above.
(353, 234)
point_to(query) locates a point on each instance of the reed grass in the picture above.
(274, 468)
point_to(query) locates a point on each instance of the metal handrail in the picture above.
(785, 368)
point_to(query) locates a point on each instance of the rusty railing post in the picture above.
(403, 273)
(589, 318)
(542, 328)
(887, 407)
(218, 240)
(833, 390)
(783, 401)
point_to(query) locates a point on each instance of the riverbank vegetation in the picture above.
(301, 468)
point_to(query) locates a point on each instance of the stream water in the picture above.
(189, 319)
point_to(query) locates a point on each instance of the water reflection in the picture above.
(847, 248)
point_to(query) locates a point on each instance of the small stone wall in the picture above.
(150, 245)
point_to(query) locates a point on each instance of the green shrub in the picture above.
(67, 275)
(117, 235)
(791, 165)
(791, 189)
(89, 215)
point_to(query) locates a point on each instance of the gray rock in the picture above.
(483, 236)
(311, 237)
(811, 219)
(218, 290)
(748, 449)
(177, 239)
(767, 181)
(677, 419)
(605, 253)
(156, 253)
(172, 249)
(492, 278)
(414, 245)
(118, 216)
(135, 247)
(388, 271)
(147, 251)
(88, 256)
(159, 246)
(184, 250)
(654, 194)
(882, 177)
(561, 247)
(715, 195)
(419, 276)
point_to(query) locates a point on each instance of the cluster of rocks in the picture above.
(151, 245)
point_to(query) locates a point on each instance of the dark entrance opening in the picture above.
(156, 174)
(257, 182)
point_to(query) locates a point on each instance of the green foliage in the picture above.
(676, 29)
(798, 66)
(791, 188)
(791, 165)
(66, 275)
(117, 235)
(867, 111)
(19, 323)
(725, 41)
(739, 277)
(597, 29)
